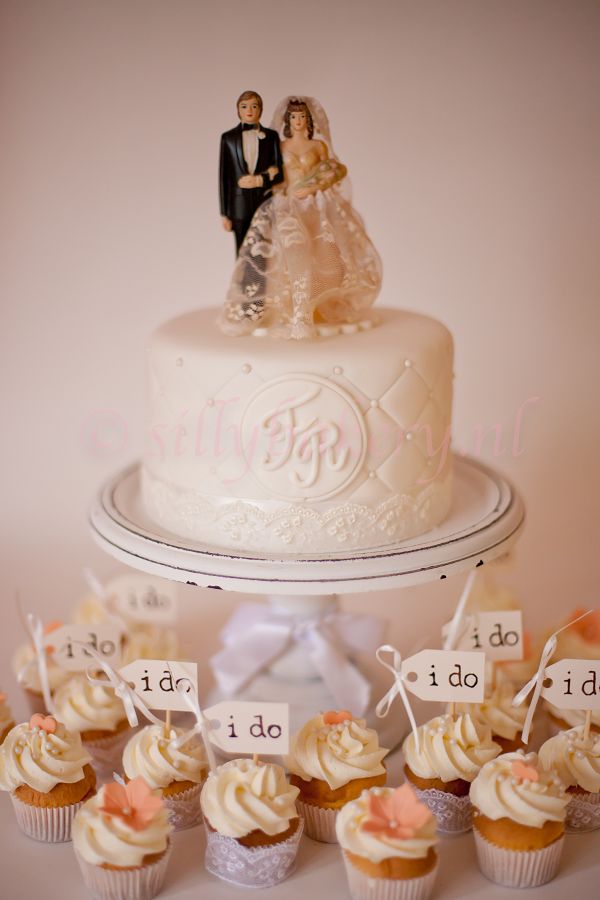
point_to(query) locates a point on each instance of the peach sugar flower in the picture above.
(397, 815)
(587, 629)
(134, 803)
(524, 772)
(336, 717)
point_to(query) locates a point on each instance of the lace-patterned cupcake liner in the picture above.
(583, 813)
(184, 809)
(50, 824)
(142, 883)
(454, 814)
(319, 823)
(363, 887)
(256, 867)
(518, 868)
(107, 754)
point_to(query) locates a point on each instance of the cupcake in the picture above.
(48, 773)
(332, 759)
(518, 820)
(99, 716)
(252, 825)
(121, 841)
(7, 723)
(576, 759)
(388, 840)
(452, 751)
(581, 640)
(176, 772)
(565, 719)
(149, 642)
(497, 712)
(24, 664)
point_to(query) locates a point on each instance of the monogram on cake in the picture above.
(296, 420)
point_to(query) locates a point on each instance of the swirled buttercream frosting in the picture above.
(242, 796)
(41, 760)
(150, 642)
(102, 839)
(497, 712)
(377, 845)
(451, 747)
(88, 707)
(157, 759)
(573, 717)
(24, 665)
(499, 793)
(336, 753)
(575, 758)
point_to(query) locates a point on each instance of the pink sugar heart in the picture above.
(46, 723)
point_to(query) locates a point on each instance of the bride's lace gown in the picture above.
(305, 260)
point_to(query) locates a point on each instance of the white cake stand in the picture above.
(485, 520)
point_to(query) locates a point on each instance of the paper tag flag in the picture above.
(449, 676)
(573, 684)
(160, 682)
(498, 634)
(143, 598)
(238, 726)
(67, 645)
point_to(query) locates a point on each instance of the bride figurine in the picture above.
(306, 258)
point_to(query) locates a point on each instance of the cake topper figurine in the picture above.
(306, 257)
(250, 164)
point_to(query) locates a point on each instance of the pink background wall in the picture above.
(471, 130)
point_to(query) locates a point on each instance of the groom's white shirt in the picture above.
(250, 147)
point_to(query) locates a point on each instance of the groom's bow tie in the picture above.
(246, 127)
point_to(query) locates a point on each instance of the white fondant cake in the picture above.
(332, 444)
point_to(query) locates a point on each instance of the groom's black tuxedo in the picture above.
(240, 204)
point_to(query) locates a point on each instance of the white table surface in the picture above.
(30, 870)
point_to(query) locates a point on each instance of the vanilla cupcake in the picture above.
(177, 772)
(497, 712)
(99, 716)
(577, 761)
(121, 841)
(388, 840)
(252, 824)
(48, 773)
(24, 664)
(149, 642)
(452, 751)
(332, 759)
(518, 820)
(565, 719)
(7, 721)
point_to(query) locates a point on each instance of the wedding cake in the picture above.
(332, 444)
(295, 420)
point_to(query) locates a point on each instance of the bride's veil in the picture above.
(319, 117)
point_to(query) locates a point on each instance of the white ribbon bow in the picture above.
(536, 682)
(35, 628)
(397, 689)
(122, 689)
(201, 727)
(255, 637)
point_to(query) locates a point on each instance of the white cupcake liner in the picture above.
(107, 754)
(51, 824)
(583, 813)
(364, 887)
(142, 883)
(518, 868)
(319, 823)
(256, 867)
(184, 808)
(454, 814)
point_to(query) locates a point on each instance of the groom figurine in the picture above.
(250, 164)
